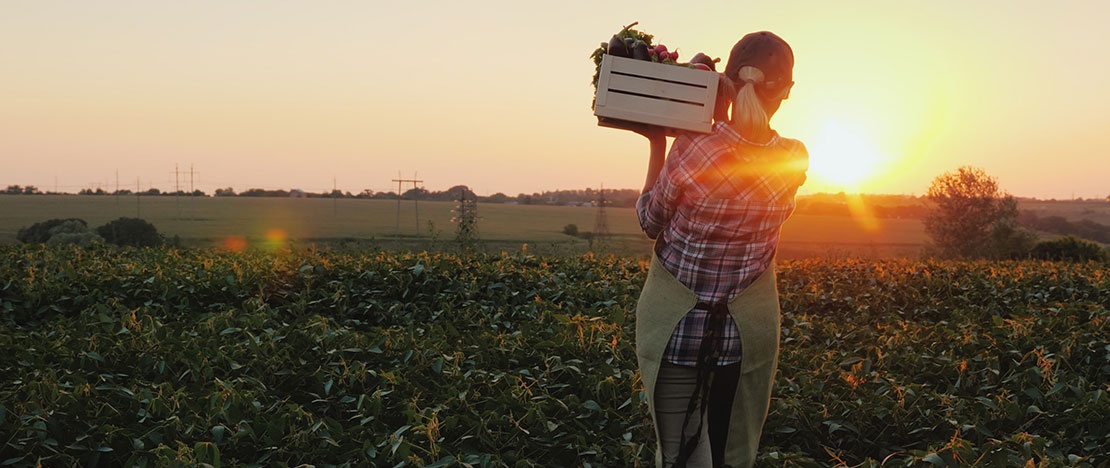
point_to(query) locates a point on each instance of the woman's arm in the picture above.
(654, 214)
(657, 155)
(657, 143)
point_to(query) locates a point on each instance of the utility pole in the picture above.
(192, 191)
(138, 206)
(601, 221)
(177, 189)
(416, 201)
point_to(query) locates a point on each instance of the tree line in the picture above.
(589, 196)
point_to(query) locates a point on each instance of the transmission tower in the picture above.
(466, 220)
(601, 220)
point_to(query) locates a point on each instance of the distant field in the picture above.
(1097, 211)
(209, 221)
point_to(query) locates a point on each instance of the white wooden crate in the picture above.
(655, 93)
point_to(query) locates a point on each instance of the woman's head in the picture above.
(761, 65)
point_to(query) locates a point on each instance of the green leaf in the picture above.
(987, 402)
(935, 459)
(218, 433)
(400, 431)
(207, 452)
(12, 461)
(445, 461)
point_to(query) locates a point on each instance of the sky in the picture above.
(495, 95)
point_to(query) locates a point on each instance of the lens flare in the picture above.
(234, 243)
(275, 238)
(862, 213)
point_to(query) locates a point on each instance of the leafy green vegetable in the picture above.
(425, 359)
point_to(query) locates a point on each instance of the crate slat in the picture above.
(657, 94)
(630, 84)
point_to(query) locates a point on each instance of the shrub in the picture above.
(1069, 248)
(571, 230)
(39, 233)
(73, 231)
(130, 231)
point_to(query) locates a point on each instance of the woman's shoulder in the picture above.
(792, 145)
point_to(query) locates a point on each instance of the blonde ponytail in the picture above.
(747, 109)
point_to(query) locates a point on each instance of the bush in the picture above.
(1069, 248)
(571, 230)
(39, 233)
(73, 231)
(130, 231)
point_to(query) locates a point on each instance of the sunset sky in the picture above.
(496, 94)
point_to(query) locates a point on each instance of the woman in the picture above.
(707, 327)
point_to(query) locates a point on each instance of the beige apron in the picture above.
(664, 301)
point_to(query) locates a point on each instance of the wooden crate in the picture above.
(654, 93)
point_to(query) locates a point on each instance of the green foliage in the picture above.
(1008, 240)
(466, 222)
(625, 32)
(972, 218)
(1070, 248)
(571, 230)
(951, 363)
(39, 233)
(130, 232)
(144, 357)
(73, 231)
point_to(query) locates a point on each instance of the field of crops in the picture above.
(113, 357)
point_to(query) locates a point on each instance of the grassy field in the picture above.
(1097, 211)
(213, 221)
(210, 221)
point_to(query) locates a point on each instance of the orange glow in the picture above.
(843, 156)
(861, 213)
(235, 243)
(275, 238)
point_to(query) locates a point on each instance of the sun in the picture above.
(843, 156)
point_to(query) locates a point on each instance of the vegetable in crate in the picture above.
(628, 43)
(634, 44)
(704, 62)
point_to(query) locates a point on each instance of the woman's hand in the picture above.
(651, 132)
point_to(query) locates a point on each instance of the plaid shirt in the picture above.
(716, 211)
